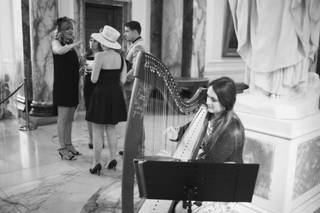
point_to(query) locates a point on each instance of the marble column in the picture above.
(198, 38)
(80, 35)
(25, 14)
(187, 37)
(43, 14)
(156, 27)
(79, 28)
(172, 35)
(184, 37)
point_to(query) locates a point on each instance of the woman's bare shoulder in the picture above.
(99, 54)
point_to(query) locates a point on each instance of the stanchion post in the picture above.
(26, 127)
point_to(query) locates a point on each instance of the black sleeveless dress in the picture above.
(107, 105)
(88, 86)
(66, 79)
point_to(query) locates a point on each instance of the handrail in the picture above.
(11, 94)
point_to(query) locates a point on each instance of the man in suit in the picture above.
(132, 32)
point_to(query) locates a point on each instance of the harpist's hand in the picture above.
(172, 133)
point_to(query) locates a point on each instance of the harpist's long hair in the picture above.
(225, 88)
(227, 122)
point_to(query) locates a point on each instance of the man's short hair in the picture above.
(134, 25)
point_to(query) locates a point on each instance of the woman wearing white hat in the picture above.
(107, 105)
(88, 86)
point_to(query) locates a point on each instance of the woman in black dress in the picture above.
(107, 105)
(94, 47)
(65, 84)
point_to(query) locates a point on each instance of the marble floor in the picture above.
(33, 178)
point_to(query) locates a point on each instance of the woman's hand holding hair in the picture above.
(59, 49)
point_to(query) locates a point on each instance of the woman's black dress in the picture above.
(88, 86)
(66, 79)
(107, 105)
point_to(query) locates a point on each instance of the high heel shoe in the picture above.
(90, 145)
(65, 154)
(73, 150)
(96, 169)
(112, 164)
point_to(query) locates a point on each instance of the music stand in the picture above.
(196, 181)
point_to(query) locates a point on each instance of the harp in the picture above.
(154, 106)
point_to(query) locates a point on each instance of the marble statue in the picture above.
(278, 41)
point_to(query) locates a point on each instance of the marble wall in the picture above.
(262, 153)
(80, 34)
(217, 65)
(317, 211)
(198, 38)
(182, 53)
(43, 14)
(4, 93)
(11, 57)
(79, 17)
(140, 11)
(307, 171)
(25, 12)
(172, 35)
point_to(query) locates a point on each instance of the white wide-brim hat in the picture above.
(108, 37)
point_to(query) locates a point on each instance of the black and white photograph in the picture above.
(159, 106)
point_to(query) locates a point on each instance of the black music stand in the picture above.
(196, 181)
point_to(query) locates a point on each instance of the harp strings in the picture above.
(159, 112)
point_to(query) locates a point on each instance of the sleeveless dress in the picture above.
(66, 79)
(107, 105)
(88, 85)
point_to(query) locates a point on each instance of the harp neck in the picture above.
(163, 80)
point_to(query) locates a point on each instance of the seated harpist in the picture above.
(224, 136)
(223, 139)
(214, 134)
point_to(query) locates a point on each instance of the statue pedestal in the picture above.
(288, 151)
(297, 107)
